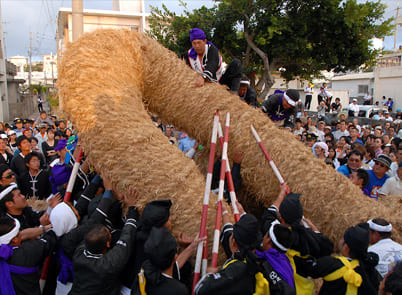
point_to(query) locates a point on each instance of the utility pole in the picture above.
(396, 26)
(30, 60)
(77, 18)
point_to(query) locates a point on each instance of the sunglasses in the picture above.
(9, 176)
(380, 164)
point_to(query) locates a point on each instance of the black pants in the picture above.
(307, 103)
(232, 76)
(40, 107)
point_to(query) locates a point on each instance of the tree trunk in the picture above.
(267, 77)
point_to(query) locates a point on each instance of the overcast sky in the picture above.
(20, 17)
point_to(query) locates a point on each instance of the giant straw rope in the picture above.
(109, 79)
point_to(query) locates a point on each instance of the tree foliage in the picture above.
(303, 37)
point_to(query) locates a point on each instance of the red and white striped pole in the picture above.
(204, 264)
(207, 192)
(229, 178)
(215, 245)
(268, 157)
(73, 176)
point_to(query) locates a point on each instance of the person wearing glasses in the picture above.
(355, 161)
(6, 175)
(378, 176)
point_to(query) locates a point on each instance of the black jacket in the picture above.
(31, 253)
(28, 218)
(99, 273)
(42, 185)
(8, 161)
(276, 112)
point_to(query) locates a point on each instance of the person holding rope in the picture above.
(240, 272)
(281, 107)
(204, 58)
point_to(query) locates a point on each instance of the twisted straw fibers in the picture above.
(126, 67)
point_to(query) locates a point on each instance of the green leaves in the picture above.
(303, 36)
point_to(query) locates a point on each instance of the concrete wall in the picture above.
(353, 86)
(389, 84)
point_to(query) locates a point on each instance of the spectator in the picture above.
(321, 150)
(48, 147)
(41, 136)
(309, 95)
(378, 175)
(353, 109)
(354, 162)
(368, 99)
(6, 176)
(360, 178)
(378, 143)
(18, 163)
(35, 182)
(43, 118)
(5, 157)
(321, 110)
(342, 131)
(393, 185)
(331, 159)
(12, 136)
(18, 124)
(390, 104)
(336, 106)
(354, 135)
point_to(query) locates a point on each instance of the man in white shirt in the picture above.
(354, 108)
(393, 185)
(367, 99)
(388, 251)
(309, 96)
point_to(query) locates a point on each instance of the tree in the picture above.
(302, 37)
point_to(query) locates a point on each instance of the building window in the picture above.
(362, 89)
(134, 28)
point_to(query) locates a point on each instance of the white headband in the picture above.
(6, 239)
(289, 100)
(273, 237)
(5, 192)
(380, 228)
(244, 82)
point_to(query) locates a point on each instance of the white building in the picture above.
(49, 68)
(357, 84)
(3, 77)
(127, 14)
(20, 61)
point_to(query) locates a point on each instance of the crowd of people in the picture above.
(98, 243)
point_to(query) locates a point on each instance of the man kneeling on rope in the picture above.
(239, 274)
(204, 58)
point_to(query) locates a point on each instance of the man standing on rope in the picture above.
(204, 58)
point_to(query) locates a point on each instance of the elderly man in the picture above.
(355, 161)
(204, 58)
(388, 251)
(378, 176)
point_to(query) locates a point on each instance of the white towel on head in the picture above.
(63, 219)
